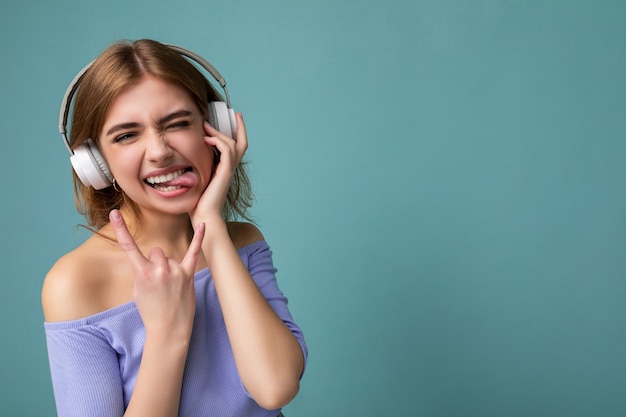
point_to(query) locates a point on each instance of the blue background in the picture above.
(442, 182)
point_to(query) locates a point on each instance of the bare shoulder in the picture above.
(73, 287)
(244, 234)
(66, 288)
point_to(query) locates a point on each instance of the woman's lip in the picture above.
(171, 194)
(165, 171)
(171, 184)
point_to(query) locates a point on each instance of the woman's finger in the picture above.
(210, 130)
(191, 257)
(236, 146)
(125, 239)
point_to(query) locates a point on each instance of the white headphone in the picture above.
(87, 160)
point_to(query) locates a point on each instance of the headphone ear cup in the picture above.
(223, 119)
(89, 165)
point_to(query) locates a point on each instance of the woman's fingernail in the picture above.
(115, 215)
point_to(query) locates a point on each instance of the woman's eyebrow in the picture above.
(122, 126)
(163, 120)
(175, 115)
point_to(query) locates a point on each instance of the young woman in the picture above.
(169, 308)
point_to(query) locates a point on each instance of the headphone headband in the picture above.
(71, 89)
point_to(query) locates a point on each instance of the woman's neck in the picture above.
(171, 233)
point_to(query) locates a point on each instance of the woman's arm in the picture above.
(85, 372)
(157, 391)
(84, 366)
(85, 369)
(269, 358)
(165, 297)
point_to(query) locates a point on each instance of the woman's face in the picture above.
(153, 143)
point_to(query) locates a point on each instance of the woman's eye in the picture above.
(123, 137)
(179, 125)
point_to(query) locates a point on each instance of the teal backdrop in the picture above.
(443, 183)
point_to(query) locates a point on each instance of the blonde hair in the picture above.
(120, 66)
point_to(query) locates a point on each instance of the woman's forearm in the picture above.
(268, 356)
(159, 381)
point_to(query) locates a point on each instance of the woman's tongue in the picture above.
(188, 179)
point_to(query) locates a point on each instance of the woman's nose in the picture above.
(158, 148)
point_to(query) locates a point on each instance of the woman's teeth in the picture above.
(158, 179)
(166, 188)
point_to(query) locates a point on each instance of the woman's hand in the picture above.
(163, 289)
(231, 152)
